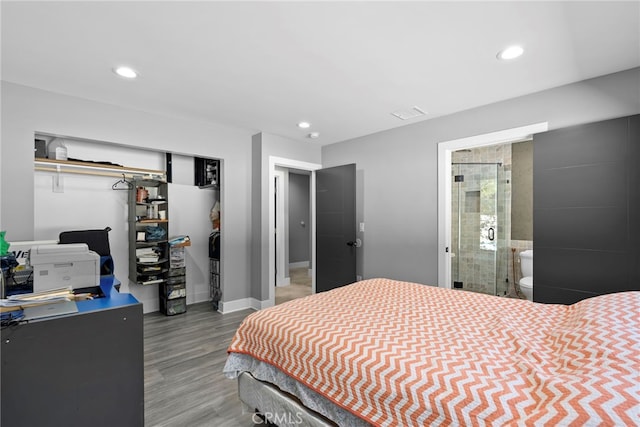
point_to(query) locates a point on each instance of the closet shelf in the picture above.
(152, 221)
(88, 168)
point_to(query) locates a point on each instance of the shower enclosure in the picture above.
(477, 228)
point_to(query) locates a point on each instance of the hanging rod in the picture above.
(85, 168)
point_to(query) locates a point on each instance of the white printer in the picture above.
(60, 266)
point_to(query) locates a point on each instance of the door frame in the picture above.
(445, 149)
(281, 231)
(292, 164)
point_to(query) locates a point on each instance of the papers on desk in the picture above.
(50, 309)
(37, 298)
(40, 305)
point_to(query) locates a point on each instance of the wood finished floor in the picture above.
(183, 360)
(300, 286)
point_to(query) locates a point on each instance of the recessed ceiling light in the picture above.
(313, 135)
(304, 125)
(126, 72)
(511, 52)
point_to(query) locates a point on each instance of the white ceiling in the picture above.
(343, 66)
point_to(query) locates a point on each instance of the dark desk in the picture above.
(82, 369)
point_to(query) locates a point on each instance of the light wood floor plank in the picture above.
(300, 286)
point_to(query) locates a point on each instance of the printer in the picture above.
(62, 266)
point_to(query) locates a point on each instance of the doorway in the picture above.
(479, 226)
(280, 234)
(292, 234)
(446, 179)
(276, 163)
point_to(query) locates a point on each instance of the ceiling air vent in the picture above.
(410, 113)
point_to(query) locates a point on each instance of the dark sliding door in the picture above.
(586, 224)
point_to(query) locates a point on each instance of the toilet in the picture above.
(526, 268)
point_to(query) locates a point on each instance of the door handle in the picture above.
(492, 234)
(355, 243)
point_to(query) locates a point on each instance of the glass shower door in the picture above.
(474, 226)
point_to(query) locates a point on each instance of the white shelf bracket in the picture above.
(58, 186)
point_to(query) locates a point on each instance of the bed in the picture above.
(385, 352)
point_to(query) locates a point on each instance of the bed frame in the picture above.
(275, 405)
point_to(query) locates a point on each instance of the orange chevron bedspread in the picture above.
(397, 353)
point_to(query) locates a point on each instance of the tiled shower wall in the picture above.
(476, 269)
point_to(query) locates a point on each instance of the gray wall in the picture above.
(26, 111)
(299, 204)
(522, 191)
(398, 168)
(257, 248)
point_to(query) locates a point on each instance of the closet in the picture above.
(586, 190)
(66, 200)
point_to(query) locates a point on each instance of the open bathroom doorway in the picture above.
(498, 272)
(480, 229)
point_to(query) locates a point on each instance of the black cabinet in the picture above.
(85, 369)
(587, 210)
(207, 172)
(148, 232)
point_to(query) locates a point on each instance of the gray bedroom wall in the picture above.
(399, 171)
(27, 110)
(256, 214)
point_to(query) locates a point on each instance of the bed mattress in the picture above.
(399, 353)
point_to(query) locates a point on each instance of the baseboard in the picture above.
(235, 305)
(299, 264)
(198, 297)
(262, 304)
(242, 304)
(285, 282)
(150, 306)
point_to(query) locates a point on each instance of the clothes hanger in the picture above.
(124, 181)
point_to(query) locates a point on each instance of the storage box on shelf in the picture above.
(215, 291)
(148, 231)
(207, 172)
(173, 292)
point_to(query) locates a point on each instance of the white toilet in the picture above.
(526, 268)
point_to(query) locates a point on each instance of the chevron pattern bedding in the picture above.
(398, 353)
